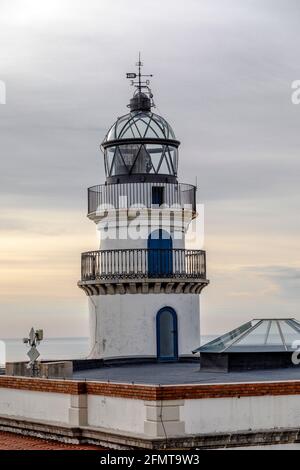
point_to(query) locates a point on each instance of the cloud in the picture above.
(222, 76)
(286, 279)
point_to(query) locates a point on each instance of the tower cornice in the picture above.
(143, 286)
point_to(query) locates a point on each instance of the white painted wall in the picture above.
(125, 325)
(43, 406)
(119, 414)
(202, 416)
(133, 232)
(240, 414)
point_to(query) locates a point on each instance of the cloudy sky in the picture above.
(222, 77)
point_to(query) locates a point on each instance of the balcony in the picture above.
(131, 264)
(126, 195)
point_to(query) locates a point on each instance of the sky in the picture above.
(223, 71)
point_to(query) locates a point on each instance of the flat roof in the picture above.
(180, 373)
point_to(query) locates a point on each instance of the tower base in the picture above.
(161, 326)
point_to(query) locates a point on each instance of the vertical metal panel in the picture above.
(139, 193)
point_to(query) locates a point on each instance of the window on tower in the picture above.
(157, 195)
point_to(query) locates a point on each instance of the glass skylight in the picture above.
(259, 335)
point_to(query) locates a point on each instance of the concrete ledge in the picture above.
(86, 364)
(43, 429)
(104, 437)
(58, 369)
(47, 369)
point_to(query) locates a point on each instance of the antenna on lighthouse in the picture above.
(142, 86)
(139, 64)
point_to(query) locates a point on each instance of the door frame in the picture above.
(175, 335)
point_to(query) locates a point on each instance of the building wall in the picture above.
(125, 325)
(35, 405)
(151, 412)
(240, 414)
(116, 413)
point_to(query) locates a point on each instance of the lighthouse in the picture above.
(143, 285)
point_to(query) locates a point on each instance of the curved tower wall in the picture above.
(127, 230)
(125, 325)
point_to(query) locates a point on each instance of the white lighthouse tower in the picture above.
(142, 284)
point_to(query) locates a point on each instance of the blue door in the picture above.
(160, 259)
(167, 335)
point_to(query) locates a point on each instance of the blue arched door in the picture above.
(167, 335)
(160, 259)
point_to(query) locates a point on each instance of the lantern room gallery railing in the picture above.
(143, 263)
(125, 195)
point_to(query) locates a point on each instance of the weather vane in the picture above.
(138, 82)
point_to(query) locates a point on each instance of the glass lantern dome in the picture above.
(140, 125)
(140, 146)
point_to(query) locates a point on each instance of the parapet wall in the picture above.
(150, 416)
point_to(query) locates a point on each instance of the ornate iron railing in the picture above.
(125, 195)
(143, 263)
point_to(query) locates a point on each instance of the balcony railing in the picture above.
(125, 195)
(143, 263)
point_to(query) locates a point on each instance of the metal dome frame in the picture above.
(155, 127)
(258, 344)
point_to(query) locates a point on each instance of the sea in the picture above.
(14, 349)
(49, 349)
